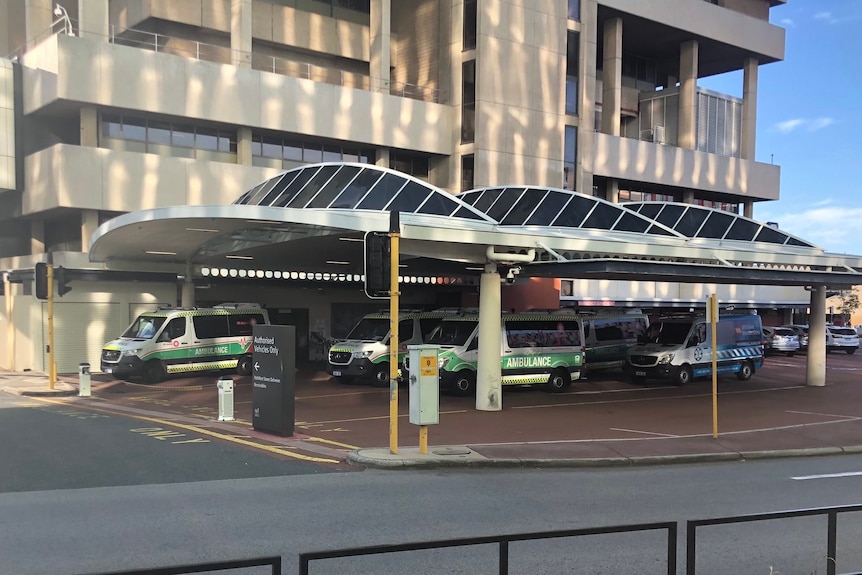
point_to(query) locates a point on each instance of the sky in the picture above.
(809, 122)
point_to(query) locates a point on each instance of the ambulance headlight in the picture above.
(361, 354)
(666, 359)
(442, 361)
(130, 352)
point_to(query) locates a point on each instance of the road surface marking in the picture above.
(644, 432)
(844, 417)
(827, 475)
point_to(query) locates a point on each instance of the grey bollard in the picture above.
(83, 380)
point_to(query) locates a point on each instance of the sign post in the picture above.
(712, 317)
(273, 377)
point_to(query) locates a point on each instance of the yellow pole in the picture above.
(423, 439)
(10, 327)
(394, 235)
(52, 374)
(713, 307)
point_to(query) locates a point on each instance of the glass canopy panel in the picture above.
(487, 198)
(329, 192)
(382, 193)
(467, 214)
(791, 241)
(298, 182)
(691, 221)
(575, 212)
(262, 192)
(357, 189)
(243, 199)
(409, 198)
(658, 231)
(548, 209)
(469, 197)
(277, 190)
(504, 203)
(604, 217)
(716, 225)
(669, 215)
(524, 207)
(647, 210)
(742, 230)
(771, 235)
(439, 205)
(315, 185)
(632, 223)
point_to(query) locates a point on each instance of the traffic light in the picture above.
(61, 280)
(43, 286)
(377, 264)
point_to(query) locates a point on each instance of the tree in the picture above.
(849, 303)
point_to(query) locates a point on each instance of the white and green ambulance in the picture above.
(176, 340)
(535, 349)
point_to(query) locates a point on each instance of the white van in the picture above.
(535, 348)
(364, 353)
(176, 340)
(679, 349)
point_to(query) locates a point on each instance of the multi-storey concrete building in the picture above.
(113, 106)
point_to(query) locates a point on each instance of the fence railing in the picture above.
(274, 562)
(502, 541)
(196, 50)
(831, 514)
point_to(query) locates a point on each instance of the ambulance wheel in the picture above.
(559, 381)
(154, 371)
(243, 366)
(746, 370)
(465, 384)
(381, 375)
(683, 376)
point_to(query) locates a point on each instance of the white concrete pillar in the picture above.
(748, 209)
(240, 33)
(37, 237)
(749, 108)
(687, 135)
(380, 37)
(612, 192)
(93, 20)
(188, 293)
(688, 197)
(243, 146)
(89, 118)
(489, 388)
(381, 159)
(815, 367)
(89, 225)
(38, 17)
(612, 73)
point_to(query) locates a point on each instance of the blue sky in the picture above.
(809, 121)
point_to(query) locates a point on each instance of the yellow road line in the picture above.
(330, 442)
(270, 448)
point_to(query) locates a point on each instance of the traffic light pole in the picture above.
(394, 234)
(52, 371)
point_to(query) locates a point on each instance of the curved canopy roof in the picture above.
(315, 216)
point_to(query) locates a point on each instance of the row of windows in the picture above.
(303, 152)
(159, 132)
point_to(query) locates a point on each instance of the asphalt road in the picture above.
(50, 445)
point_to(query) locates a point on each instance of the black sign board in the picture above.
(273, 378)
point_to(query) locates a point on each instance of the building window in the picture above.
(574, 11)
(635, 196)
(467, 173)
(470, 24)
(415, 165)
(272, 150)
(160, 137)
(639, 72)
(328, 7)
(468, 105)
(570, 154)
(572, 53)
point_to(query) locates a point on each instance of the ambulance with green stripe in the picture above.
(364, 353)
(535, 349)
(175, 340)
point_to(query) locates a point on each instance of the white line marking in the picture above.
(827, 475)
(644, 432)
(846, 417)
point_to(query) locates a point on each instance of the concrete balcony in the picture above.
(639, 161)
(67, 176)
(65, 69)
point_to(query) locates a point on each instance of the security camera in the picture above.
(511, 274)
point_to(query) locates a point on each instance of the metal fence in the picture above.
(502, 541)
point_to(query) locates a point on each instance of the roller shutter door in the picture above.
(80, 331)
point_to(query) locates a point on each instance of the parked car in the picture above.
(839, 338)
(801, 332)
(780, 340)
